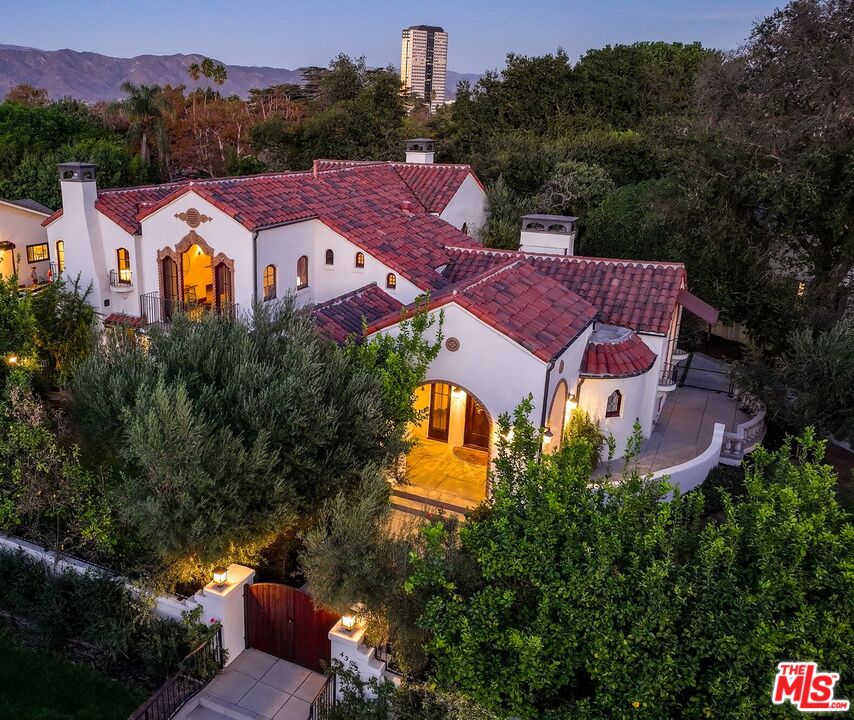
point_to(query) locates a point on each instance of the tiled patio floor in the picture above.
(260, 687)
(434, 471)
(684, 428)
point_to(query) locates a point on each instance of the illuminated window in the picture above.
(391, 281)
(60, 255)
(302, 272)
(360, 260)
(269, 282)
(37, 253)
(330, 257)
(615, 404)
(123, 264)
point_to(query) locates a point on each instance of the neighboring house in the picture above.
(365, 241)
(24, 249)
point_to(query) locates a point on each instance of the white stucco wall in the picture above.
(497, 371)
(468, 205)
(639, 394)
(223, 233)
(282, 247)
(21, 228)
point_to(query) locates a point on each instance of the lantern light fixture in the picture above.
(348, 622)
(547, 436)
(220, 576)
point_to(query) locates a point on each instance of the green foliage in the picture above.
(46, 494)
(27, 695)
(92, 616)
(603, 601)
(582, 429)
(812, 383)
(504, 220)
(64, 323)
(17, 324)
(230, 430)
(574, 189)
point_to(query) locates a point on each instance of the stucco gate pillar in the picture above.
(225, 604)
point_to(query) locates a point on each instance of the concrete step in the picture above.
(430, 502)
(419, 508)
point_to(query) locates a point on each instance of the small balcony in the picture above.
(121, 280)
(157, 310)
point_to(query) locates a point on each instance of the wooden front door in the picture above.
(476, 433)
(170, 287)
(440, 411)
(284, 622)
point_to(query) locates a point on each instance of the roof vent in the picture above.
(420, 150)
(548, 234)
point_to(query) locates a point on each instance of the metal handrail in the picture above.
(121, 278)
(325, 700)
(196, 670)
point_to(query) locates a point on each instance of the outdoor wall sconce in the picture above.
(220, 576)
(547, 436)
(348, 622)
(12, 360)
(458, 392)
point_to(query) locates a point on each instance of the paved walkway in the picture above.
(258, 686)
(434, 471)
(684, 428)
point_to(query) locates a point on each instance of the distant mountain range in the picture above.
(92, 77)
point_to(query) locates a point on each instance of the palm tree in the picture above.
(144, 107)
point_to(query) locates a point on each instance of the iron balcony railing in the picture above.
(195, 671)
(158, 310)
(121, 278)
(324, 701)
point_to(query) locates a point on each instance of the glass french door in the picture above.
(170, 287)
(224, 290)
(440, 411)
(476, 432)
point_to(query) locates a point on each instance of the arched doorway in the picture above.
(557, 419)
(448, 465)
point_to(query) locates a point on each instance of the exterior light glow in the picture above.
(220, 576)
(547, 436)
(348, 622)
(12, 360)
(458, 392)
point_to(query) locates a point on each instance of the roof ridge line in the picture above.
(566, 258)
(490, 274)
(332, 302)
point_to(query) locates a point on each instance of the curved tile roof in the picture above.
(342, 317)
(614, 352)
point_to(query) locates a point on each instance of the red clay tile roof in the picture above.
(370, 206)
(614, 352)
(532, 310)
(342, 317)
(433, 185)
(125, 320)
(631, 293)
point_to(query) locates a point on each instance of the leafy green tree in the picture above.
(145, 107)
(16, 321)
(812, 383)
(504, 217)
(574, 189)
(601, 600)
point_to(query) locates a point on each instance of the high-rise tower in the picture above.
(424, 63)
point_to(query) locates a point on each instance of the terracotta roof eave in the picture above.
(614, 376)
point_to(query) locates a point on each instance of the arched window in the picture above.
(123, 265)
(391, 281)
(330, 257)
(60, 255)
(360, 260)
(302, 272)
(269, 282)
(615, 404)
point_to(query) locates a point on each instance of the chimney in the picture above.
(420, 150)
(81, 233)
(548, 234)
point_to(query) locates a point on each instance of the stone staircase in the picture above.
(411, 500)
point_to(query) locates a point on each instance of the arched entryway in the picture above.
(193, 276)
(453, 444)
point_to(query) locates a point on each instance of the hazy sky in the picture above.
(292, 34)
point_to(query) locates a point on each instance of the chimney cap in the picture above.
(76, 172)
(425, 144)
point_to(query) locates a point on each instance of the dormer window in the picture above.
(360, 260)
(391, 281)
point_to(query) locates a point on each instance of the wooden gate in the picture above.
(284, 622)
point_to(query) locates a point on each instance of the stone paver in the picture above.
(260, 687)
(434, 471)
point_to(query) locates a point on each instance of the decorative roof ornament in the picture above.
(192, 217)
